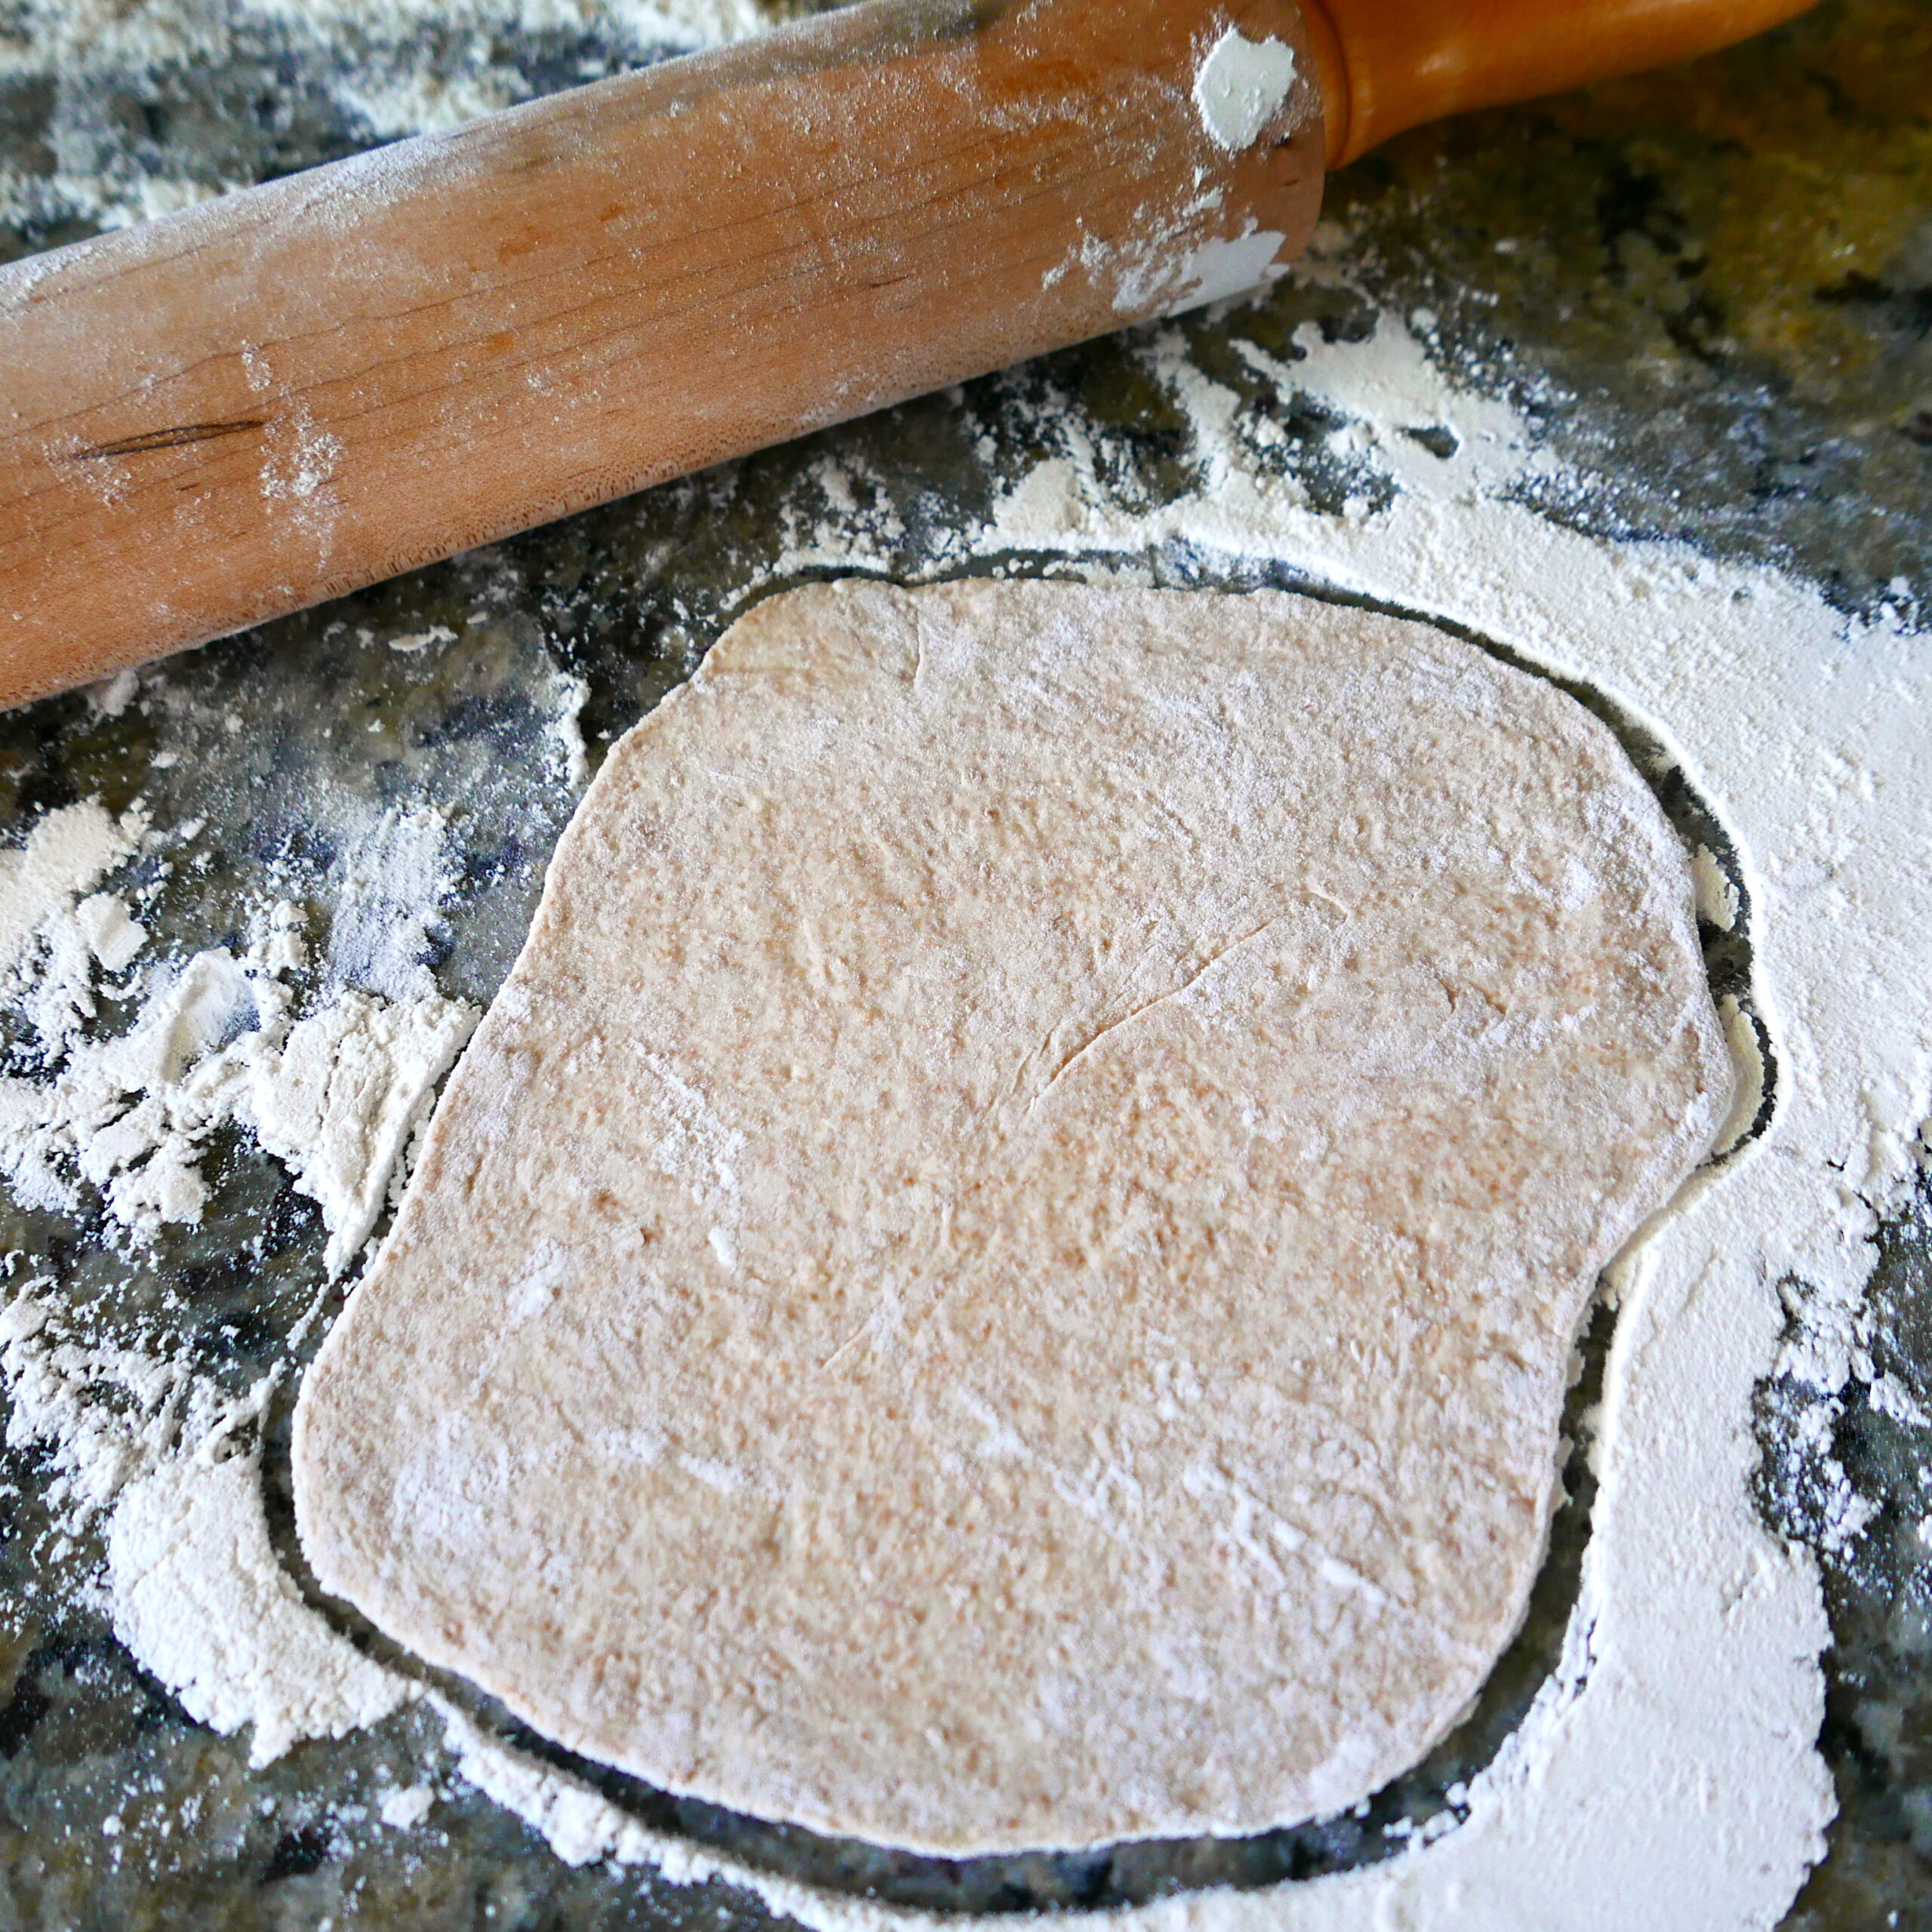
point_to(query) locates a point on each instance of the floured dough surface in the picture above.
(1002, 1271)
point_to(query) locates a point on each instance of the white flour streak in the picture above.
(344, 1097)
(574, 759)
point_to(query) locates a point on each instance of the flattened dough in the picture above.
(1002, 1271)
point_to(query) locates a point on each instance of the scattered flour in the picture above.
(336, 1096)
(1693, 1649)
(579, 1824)
(190, 1579)
(396, 876)
(1695, 1639)
(112, 696)
(49, 945)
(106, 1414)
(146, 1447)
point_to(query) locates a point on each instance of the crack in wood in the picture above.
(175, 438)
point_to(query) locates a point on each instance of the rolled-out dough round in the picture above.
(1002, 1272)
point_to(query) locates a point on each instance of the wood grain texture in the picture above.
(268, 400)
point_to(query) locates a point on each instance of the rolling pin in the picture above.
(231, 412)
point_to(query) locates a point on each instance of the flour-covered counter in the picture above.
(1606, 389)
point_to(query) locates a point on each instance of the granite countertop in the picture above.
(1711, 291)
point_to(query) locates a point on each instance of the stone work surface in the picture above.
(1711, 289)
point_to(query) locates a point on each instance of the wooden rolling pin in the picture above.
(247, 407)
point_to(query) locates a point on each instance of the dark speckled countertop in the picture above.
(1711, 289)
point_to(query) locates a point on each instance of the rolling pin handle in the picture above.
(1385, 66)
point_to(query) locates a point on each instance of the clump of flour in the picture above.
(1240, 86)
(52, 939)
(335, 1094)
(166, 1462)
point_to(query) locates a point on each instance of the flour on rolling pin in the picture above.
(1241, 86)
(1241, 89)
